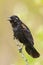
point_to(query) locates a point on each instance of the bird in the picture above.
(23, 34)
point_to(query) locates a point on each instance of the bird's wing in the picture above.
(27, 34)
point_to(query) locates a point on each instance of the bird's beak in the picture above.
(9, 19)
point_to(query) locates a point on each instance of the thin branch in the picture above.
(22, 54)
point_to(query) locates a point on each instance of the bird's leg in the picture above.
(20, 46)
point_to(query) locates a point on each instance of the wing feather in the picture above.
(27, 34)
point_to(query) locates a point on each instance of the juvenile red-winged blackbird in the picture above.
(23, 34)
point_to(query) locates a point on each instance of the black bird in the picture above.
(23, 34)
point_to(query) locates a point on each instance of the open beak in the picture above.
(9, 19)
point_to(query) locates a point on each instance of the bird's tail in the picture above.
(32, 52)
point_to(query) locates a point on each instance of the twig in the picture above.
(22, 54)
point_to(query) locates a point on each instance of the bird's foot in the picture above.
(20, 50)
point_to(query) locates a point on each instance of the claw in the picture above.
(20, 50)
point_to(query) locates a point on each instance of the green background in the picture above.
(31, 13)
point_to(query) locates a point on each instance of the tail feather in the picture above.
(32, 52)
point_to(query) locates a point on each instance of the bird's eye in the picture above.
(16, 18)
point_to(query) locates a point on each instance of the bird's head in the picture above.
(14, 20)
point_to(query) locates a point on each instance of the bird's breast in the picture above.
(18, 33)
